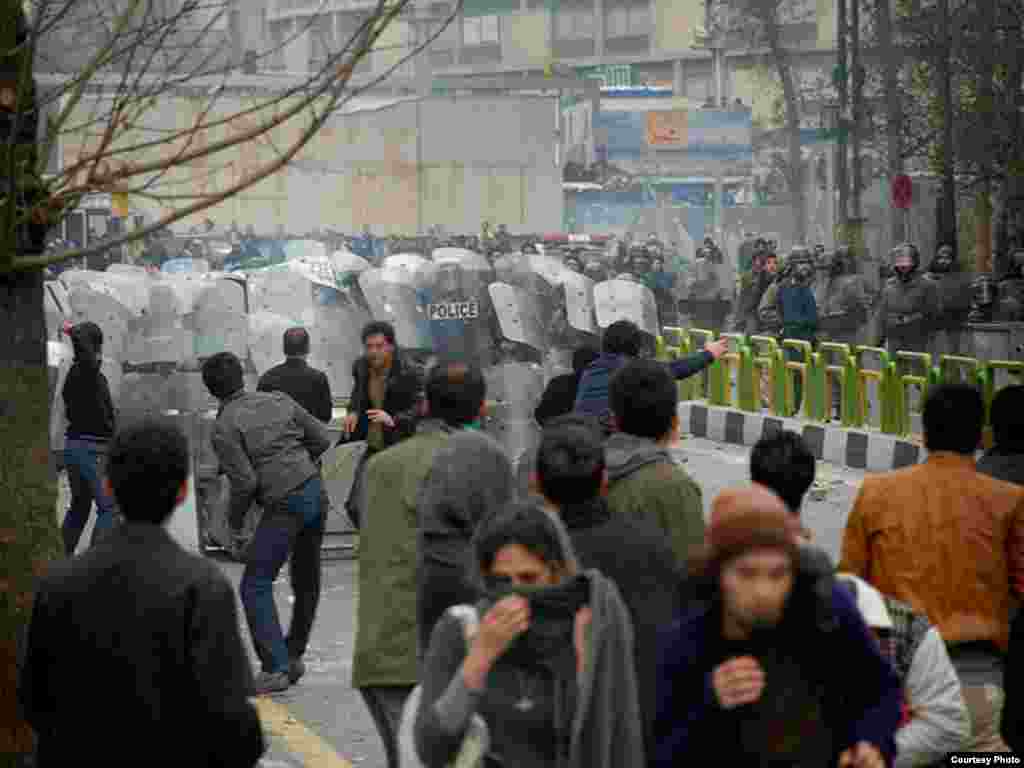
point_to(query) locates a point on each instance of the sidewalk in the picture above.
(854, 448)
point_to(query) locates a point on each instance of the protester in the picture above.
(267, 444)
(643, 480)
(139, 621)
(935, 720)
(623, 341)
(632, 553)
(549, 668)
(309, 388)
(560, 395)
(1006, 459)
(384, 664)
(470, 479)
(384, 403)
(948, 541)
(750, 675)
(783, 463)
(90, 426)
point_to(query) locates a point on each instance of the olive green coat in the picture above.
(386, 636)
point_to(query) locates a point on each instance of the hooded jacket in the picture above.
(592, 396)
(645, 483)
(470, 478)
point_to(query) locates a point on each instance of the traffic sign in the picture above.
(902, 191)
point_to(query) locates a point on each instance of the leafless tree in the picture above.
(127, 58)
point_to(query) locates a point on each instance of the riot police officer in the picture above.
(1010, 304)
(798, 309)
(843, 303)
(908, 306)
(955, 295)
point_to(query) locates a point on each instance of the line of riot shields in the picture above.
(519, 315)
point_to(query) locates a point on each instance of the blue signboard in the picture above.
(703, 134)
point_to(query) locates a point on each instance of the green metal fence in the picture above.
(755, 371)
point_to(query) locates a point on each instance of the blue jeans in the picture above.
(84, 460)
(293, 526)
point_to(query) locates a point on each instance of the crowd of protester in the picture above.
(593, 619)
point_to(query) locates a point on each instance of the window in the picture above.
(628, 20)
(576, 24)
(481, 30)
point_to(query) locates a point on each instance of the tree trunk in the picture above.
(795, 161)
(987, 125)
(29, 538)
(892, 63)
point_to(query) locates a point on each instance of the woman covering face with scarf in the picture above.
(550, 668)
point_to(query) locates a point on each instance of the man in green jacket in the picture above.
(643, 480)
(384, 665)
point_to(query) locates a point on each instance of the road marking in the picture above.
(313, 751)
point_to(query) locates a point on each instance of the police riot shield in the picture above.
(297, 250)
(185, 264)
(579, 303)
(469, 260)
(392, 296)
(616, 300)
(404, 267)
(514, 388)
(347, 263)
(458, 308)
(297, 294)
(517, 316)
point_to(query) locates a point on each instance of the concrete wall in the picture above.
(390, 164)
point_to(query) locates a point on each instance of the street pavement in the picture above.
(323, 723)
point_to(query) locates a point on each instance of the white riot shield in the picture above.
(579, 303)
(470, 260)
(399, 304)
(309, 250)
(616, 300)
(335, 336)
(517, 315)
(347, 263)
(403, 267)
(219, 320)
(185, 265)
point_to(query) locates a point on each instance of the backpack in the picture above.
(476, 741)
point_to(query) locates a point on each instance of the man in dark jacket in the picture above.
(139, 621)
(309, 388)
(751, 675)
(560, 395)
(268, 444)
(622, 343)
(1006, 459)
(383, 407)
(633, 553)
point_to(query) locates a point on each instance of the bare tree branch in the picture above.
(319, 96)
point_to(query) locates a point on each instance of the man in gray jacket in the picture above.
(266, 444)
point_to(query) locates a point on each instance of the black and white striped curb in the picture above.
(853, 448)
